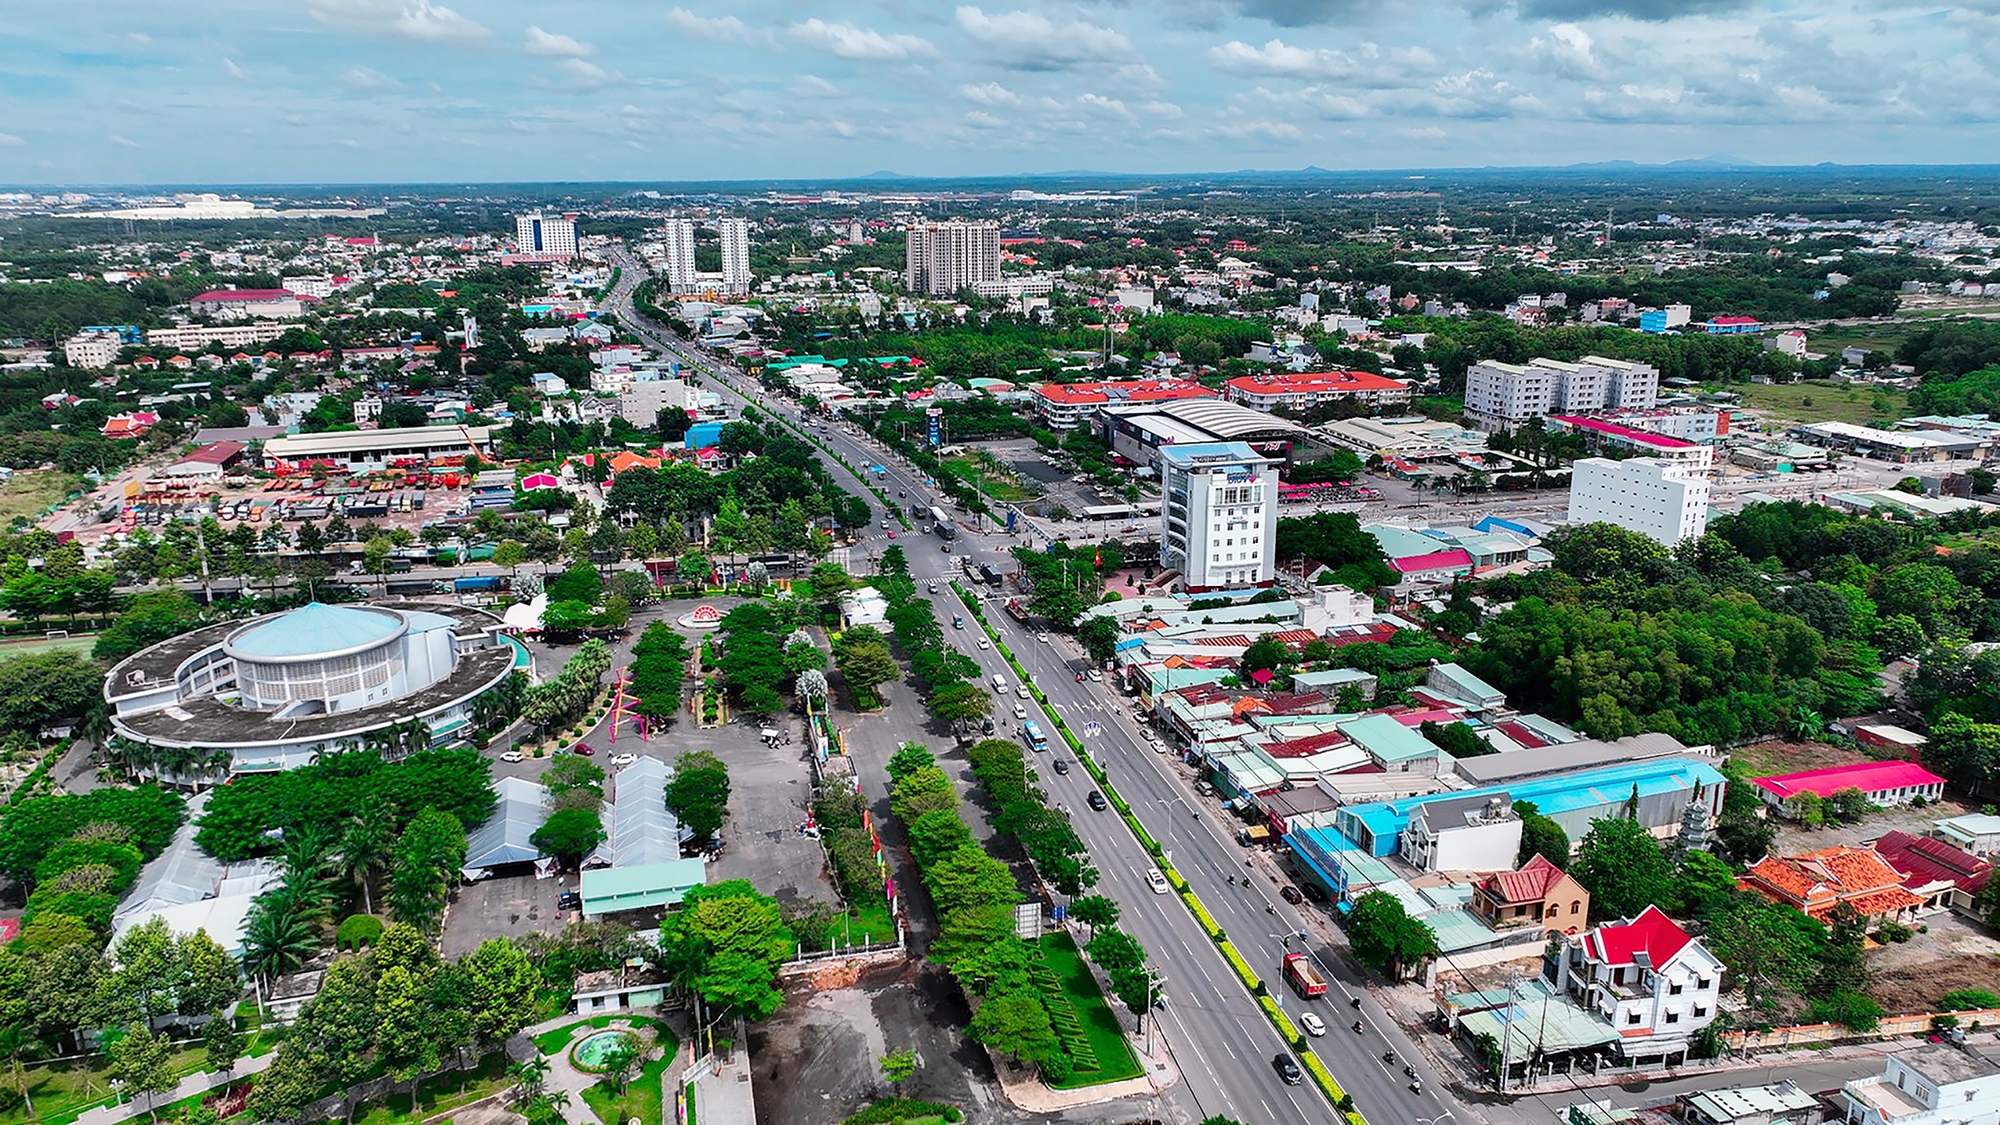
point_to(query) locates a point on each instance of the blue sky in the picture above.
(281, 91)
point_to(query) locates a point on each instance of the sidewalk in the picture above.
(198, 1083)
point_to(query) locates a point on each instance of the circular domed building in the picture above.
(279, 691)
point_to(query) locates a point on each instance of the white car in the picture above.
(1022, 691)
(1042, 637)
(1157, 881)
(1020, 712)
(1312, 1023)
(983, 644)
(624, 759)
(1096, 676)
(511, 756)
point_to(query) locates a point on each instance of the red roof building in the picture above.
(1816, 882)
(1540, 893)
(1940, 874)
(1067, 405)
(1306, 390)
(130, 425)
(1882, 783)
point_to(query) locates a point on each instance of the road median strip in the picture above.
(1321, 1077)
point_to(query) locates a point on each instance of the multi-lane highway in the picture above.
(1212, 1027)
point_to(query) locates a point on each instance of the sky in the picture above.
(386, 91)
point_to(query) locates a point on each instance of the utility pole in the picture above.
(1506, 1036)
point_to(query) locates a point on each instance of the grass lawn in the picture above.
(641, 1098)
(556, 1040)
(62, 1091)
(440, 1093)
(867, 922)
(995, 479)
(30, 494)
(47, 644)
(1767, 758)
(1822, 402)
(1106, 1031)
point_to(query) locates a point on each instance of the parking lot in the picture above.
(509, 906)
(769, 791)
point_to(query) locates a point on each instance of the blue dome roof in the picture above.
(315, 629)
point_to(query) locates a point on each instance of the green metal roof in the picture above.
(645, 885)
(1388, 740)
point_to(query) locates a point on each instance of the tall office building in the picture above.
(1501, 395)
(547, 236)
(942, 258)
(735, 255)
(679, 247)
(1218, 515)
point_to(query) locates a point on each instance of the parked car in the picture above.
(512, 756)
(1096, 676)
(1291, 895)
(582, 750)
(1096, 801)
(624, 759)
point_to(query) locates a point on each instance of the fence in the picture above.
(1799, 1035)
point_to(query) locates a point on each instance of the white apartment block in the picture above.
(544, 235)
(941, 258)
(321, 286)
(735, 255)
(1499, 395)
(1662, 500)
(228, 335)
(1218, 515)
(91, 349)
(678, 246)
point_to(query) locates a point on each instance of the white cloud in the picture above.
(582, 75)
(1274, 57)
(9, 140)
(140, 37)
(980, 119)
(1568, 50)
(721, 29)
(1422, 133)
(1333, 103)
(550, 45)
(813, 86)
(366, 80)
(349, 142)
(852, 42)
(1265, 130)
(1032, 41)
(230, 68)
(417, 20)
(989, 93)
(122, 142)
(1107, 107)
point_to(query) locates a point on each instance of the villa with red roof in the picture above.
(1882, 783)
(1307, 390)
(1065, 406)
(1816, 882)
(1539, 894)
(1648, 978)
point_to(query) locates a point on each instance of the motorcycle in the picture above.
(1416, 1087)
(1388, 1056)
(1357, 1027)
(1356, 1002)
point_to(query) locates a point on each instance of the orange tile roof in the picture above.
(1817, 881)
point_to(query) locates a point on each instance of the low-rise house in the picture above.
(1538, 894)
(1882, 783)
(1471, 833)
(1926, 1085)
(1978, 833)
(1816, 882)
(1781, 1103)
(1652, 982)
(1945, 877)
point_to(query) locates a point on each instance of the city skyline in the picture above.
(371, 91)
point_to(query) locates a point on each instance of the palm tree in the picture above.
(364, 849)
(276, 940)
(531, 1077)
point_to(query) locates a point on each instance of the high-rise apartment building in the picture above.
(1500, 395)
(679, 247)
(545, 236)
(1218, 514)
(735, 255)
(942, 258)
(1662, 500)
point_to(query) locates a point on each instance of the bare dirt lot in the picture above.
(1766, 758)
(1956, 953)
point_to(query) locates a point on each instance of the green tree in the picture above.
(1623, 868)
(1383, 935)
(1015, 1024)
(429, 853)
(908, 758)
(1094, 911)
(285, 1089)
(1705, 884)
(898, 1066)
(221, 1042)
(403, 1039)
(1540, 836)
(726, 942)
(1098, 636)
(1843, 963)
(140, 1060)
(698, 794)
(569, 835)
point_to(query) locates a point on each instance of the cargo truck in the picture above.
(1304, 975)
(489, 583)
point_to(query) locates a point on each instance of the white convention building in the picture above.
(279, 691)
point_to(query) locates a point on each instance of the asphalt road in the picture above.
(1216, 1032)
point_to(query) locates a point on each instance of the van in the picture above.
(1000, 683)
(1204, 789)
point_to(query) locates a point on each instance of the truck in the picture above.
(479, 584)
(1017, 611)
(943, 525)
(1304, 975)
